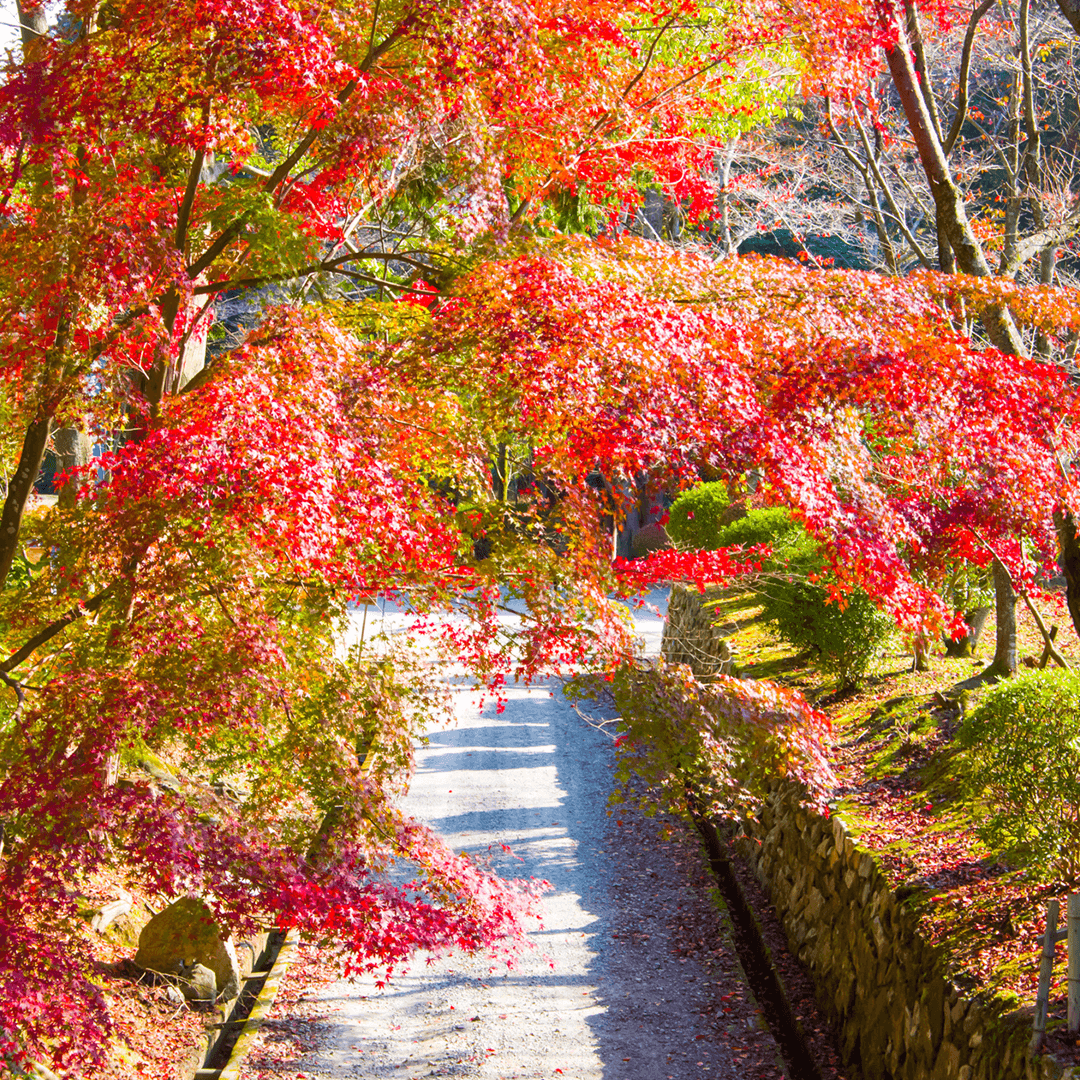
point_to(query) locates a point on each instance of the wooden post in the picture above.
(1074, 963)
(1045, 658)
(1046, 969)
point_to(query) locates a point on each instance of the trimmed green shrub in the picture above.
(1022, 768)
(842, 637)
(769, 525)
(694, 518)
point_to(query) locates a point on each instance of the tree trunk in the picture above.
(72, 449)
(966, 646)
(1071, 10)
(968, 257)
(33, 26)
(18, 492)
(922, 655)
(1069, 545)
(1004, 662)
(954, 228)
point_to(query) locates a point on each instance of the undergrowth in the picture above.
(904, 789)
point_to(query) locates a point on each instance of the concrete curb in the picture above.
(260, 1009)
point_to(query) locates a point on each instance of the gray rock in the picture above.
(105, 916)
(186, 933)
(198, 983)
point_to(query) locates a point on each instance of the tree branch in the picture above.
(54, 628)
(965, 70)
(232, 230)
(648, 58)
(1048, 638)
(1033, 244)
(20, 486)
(599, 126)
(183, 214)
(17, 686)
(897, 214)
(329, 266)
(305, 144)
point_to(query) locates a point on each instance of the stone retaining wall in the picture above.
(899, 1013)
(691, 635)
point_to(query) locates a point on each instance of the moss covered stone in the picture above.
(899, 1013)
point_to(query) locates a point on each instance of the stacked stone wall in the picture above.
(691, 635)
(899, 1013)
(897, 1005)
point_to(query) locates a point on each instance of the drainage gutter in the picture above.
(765, 979)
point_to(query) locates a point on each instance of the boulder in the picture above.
(198, 983)
(186, 933)
(649, 538)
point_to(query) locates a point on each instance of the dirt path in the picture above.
(634, 976)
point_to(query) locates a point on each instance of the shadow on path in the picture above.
(633, 976)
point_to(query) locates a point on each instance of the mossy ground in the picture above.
(897, 788)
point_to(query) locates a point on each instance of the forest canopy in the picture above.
(307, 305)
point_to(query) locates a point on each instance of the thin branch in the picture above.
(54, 628)
(1000, 154)
(599, 126)
(852, 157)
(232, 230)
(965, 69)
(914, 195)
(20, 692)
(305, 144)
(660, 95)
(377, 256)
(648, 58)
(328, 266)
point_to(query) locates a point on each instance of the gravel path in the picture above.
(634, 976)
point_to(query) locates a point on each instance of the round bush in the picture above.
(769, 525)
(1022, 768)
(694, 518)
(697, 520)
(649, 538)
(842, 639)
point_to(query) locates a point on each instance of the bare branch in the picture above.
(965, 74)
(897, 213)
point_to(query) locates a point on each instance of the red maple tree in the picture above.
(195, 587)
(197, 575)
